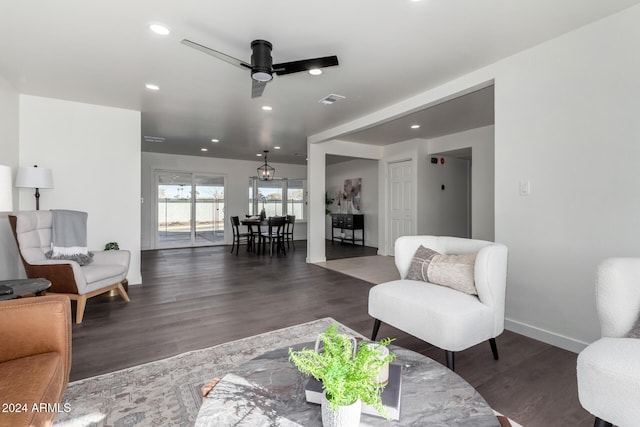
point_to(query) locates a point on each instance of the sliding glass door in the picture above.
(209, 209)
(190, 209)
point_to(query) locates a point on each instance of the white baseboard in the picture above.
(135, 280)
(315, 260)
(555, 339)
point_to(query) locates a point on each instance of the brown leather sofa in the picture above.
(35, 359)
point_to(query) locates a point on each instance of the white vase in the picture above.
(344, 416)
(383, 374)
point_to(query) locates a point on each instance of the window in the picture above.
(279, 197)
(295, 198)
(251, 193)
(270, 197)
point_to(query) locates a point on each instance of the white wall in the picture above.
(446, 212)
(94, 154)
(316, 172)
(368, 171)
(9, 104)
(436, 211)
(481, 142)
(236, 172)
(565, 120)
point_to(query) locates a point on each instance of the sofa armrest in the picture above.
(34, 326)
(119, 257)
(490, 274)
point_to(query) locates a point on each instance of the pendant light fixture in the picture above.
(266, 172)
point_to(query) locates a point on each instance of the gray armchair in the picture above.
(32, 230)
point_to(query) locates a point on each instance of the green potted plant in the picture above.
(347, 372)
(328, 201)
(111, 246)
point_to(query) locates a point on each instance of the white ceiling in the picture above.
(103, 53)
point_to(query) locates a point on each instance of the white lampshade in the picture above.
(6, 193)
(34, 177)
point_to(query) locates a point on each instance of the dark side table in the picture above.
(25, 287)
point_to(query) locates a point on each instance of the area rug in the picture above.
(373, 269)
(168, 392)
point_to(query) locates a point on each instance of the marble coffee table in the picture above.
(269, 391)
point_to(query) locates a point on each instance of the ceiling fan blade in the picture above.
(304, 65)
(257, 88)
(223, 56)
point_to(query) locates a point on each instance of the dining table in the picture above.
(254, 226)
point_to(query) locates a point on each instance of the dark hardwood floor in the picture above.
(339, 250)
(195, 298)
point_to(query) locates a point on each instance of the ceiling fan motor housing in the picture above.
(261, 60)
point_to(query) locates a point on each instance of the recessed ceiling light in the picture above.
(259, 155)
(276, 148)
(159, 29)
(215, 140)
(315, 71)
(267, 108)
(415, 126)
(152, 86)
(204, 149)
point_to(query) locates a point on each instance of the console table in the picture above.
(351, 222)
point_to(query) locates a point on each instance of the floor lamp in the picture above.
(6, 189)
(34, 177)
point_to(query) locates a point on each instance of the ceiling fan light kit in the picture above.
(261, 61)
(262, 67)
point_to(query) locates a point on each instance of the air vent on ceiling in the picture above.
(331, 99)
(154, 138)
(300, 154)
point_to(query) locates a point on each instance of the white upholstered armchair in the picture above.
(609, 369)
(33, 233)
(445, 317)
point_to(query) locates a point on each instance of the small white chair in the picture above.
(444, 317)
(608, 370)
(32, 230)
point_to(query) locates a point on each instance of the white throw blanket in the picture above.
(69, 233)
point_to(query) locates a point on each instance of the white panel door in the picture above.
(401, 207)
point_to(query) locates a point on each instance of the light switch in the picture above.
(525, 188)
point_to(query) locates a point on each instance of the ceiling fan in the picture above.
(261, 66)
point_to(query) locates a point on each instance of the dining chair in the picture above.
(288, 230)
(274, 235)
(239, 237)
